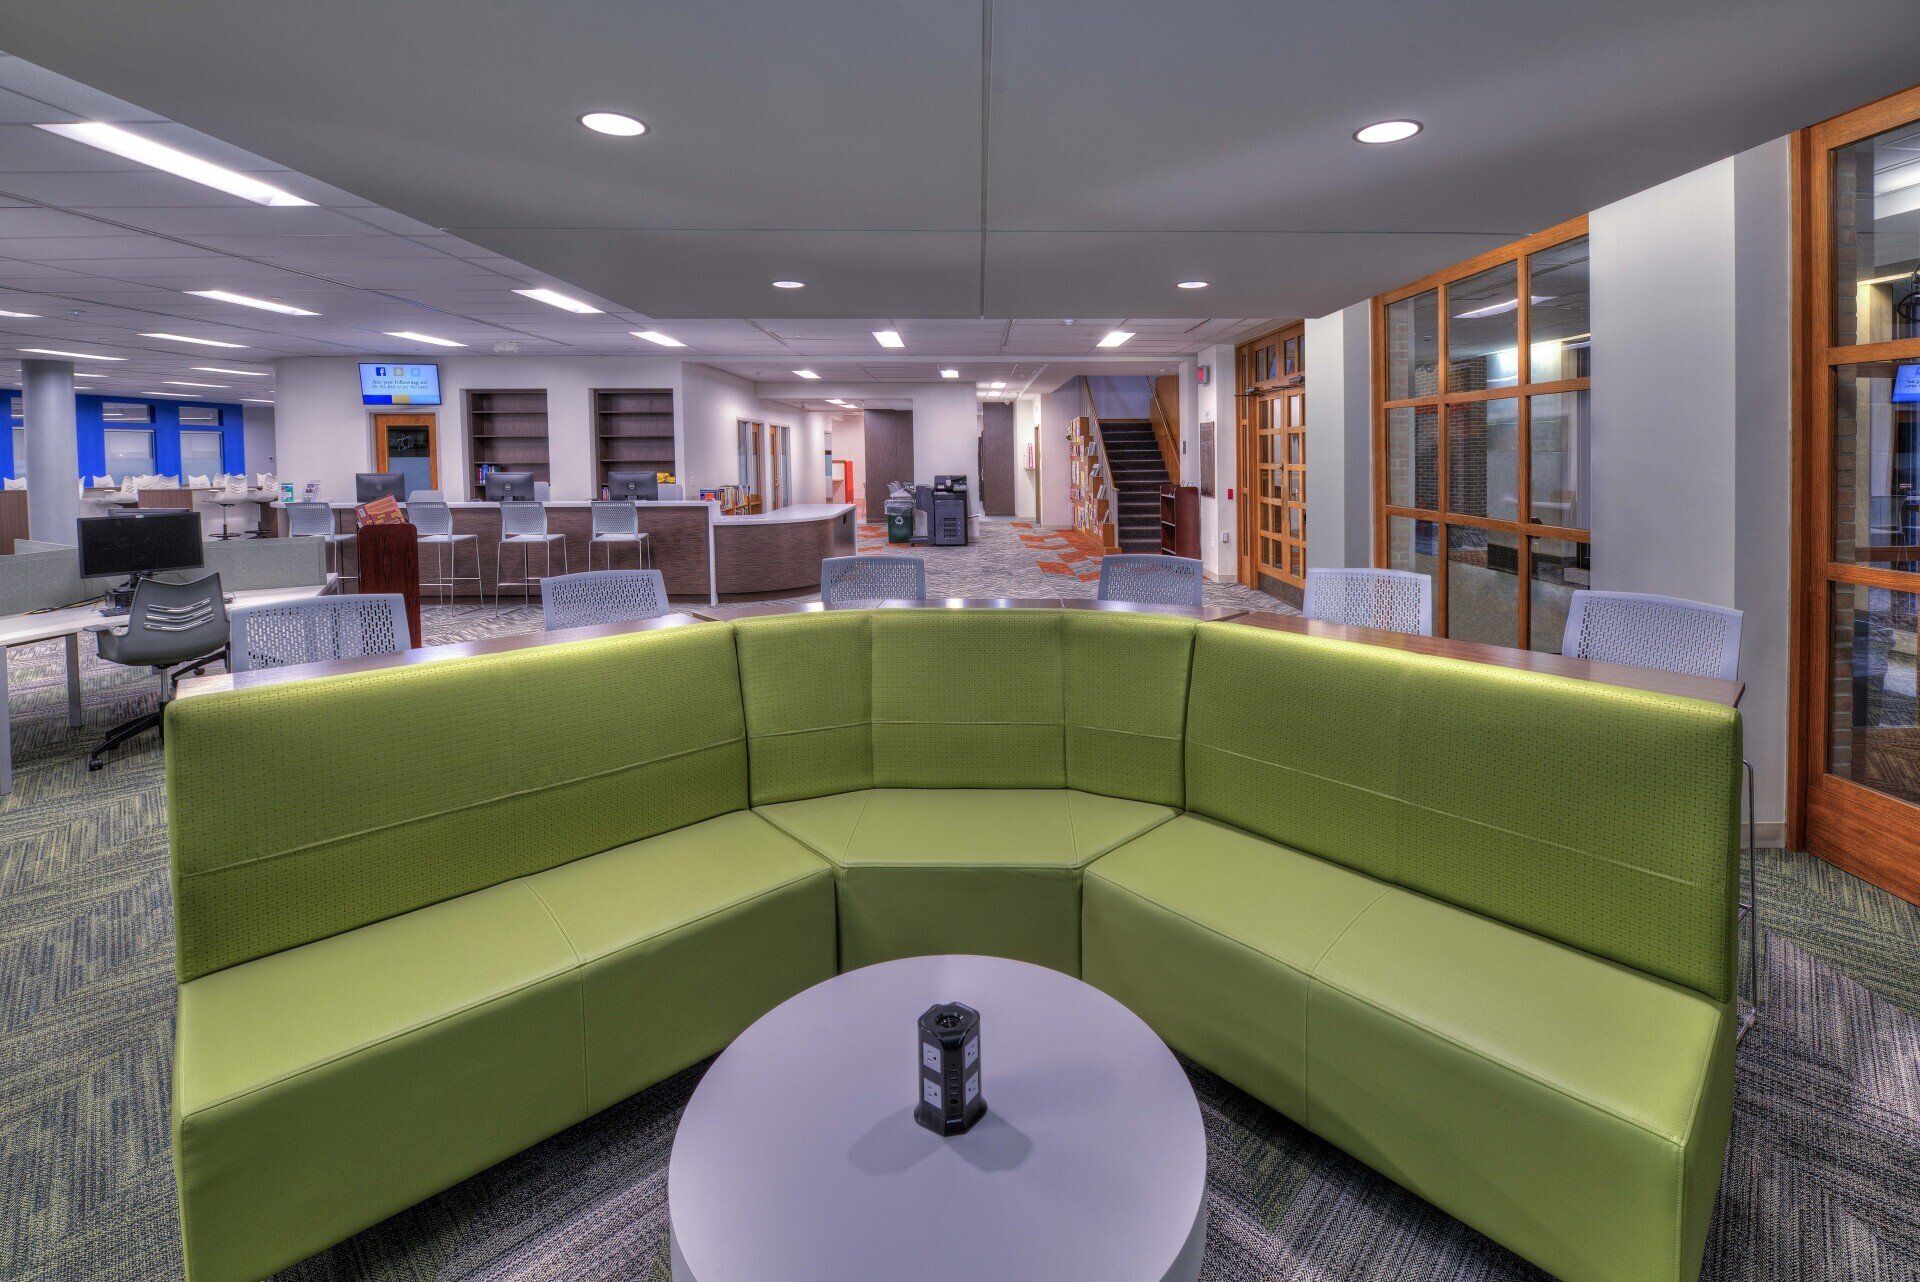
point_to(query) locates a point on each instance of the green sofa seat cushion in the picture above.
(1572, 1109)
(962, 870)
(322, 1088)
(1211, 935)
(686, 938)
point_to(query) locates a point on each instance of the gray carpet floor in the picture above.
(1822, 1178)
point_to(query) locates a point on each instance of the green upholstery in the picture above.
(1473, 925)
(1595, 815)
(685, 939)
(317, 1091)
(289, 820)
(1573, 1110)
(967, 699)
(958, 870)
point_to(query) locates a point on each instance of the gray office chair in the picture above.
(433, 519)
(175, 629)
(317, 629)
(1674, 635)
(1392, 600)
(849, 579)
(1147, 578)
(314, 520)
(616, 523)
(602, 596)
(523, 525)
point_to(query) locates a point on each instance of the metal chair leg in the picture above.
(1750, 909)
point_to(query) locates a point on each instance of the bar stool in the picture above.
(314, 520)
(432, 517)
(226, 498)
(525, 524)
(615, 523)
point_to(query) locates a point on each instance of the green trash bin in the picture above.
(899, 520)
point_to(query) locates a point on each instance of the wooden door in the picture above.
(1855, 782)
(1272, 450)
(408, 444)
(776, 466)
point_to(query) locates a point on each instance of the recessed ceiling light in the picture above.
(182, 382)
(188, 338)
(949, 373)
(79, 356)
(889, 338)
(1388, 131)
(789, 284)
(1115, 338)
(806, 373)
(655, 336)
(613, 123)
(264, 304)
(244, 373)
(178, 163)
(20, 315)
(554, 298)
(413, 337)
(1193, 284)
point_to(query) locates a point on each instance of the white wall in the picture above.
(946, 422)
(323, 433)
(257, 432)
(1215, 403)
(1339, 438)
(1026, 436)
(850, 443)
(711, 405)
(1691, 399)
(1057, 412)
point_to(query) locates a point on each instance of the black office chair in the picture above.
(174, 628)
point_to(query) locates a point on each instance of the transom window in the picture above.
(1483, 428)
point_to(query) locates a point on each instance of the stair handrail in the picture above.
(1164, 433)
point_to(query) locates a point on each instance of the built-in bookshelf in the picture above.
(632, 431)
(507, 432)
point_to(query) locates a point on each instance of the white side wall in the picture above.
(946, 422)
(710, 407)
(1026, 437)
(1691, 396)
(1215, 403)
(1339, 438)
(850, 443)
(1057, 412)
(257, 430)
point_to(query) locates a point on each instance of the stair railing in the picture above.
(1166, 432)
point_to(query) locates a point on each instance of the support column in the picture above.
(53, 450)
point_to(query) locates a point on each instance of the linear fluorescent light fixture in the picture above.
(188, 338)
(655, 336)
(243, 373)
(246, 300)
(949, 373)
(78, 356)
(889, 338)
(182, 382)
(996, 386)
(554, 298)
(806, 373)
(413, 337)
(159, 156)
(20, 315)
(1115, 338)
(256, 400)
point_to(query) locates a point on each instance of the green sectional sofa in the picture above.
(1474, 926)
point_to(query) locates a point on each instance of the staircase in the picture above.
(1138, 473)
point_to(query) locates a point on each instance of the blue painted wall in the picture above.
(89, 426)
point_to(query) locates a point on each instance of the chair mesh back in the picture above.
(1151, 579)
(615, 518)
(602, 596)
(522, 519)
(305, 520)
(1654, 632)
(433, 520)
(328, 627)
(872, 578)
(1392, 600)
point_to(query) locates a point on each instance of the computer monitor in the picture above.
(139, 544)
(509, 487)
(639, 486)
(368, 486)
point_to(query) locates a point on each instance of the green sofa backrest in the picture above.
(965, 699)
(301, 810)
(1596, 815)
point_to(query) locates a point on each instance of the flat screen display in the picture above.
(142, 543)
(1906, 384)
(385, 383)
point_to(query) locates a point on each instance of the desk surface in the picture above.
(26, 629)
(757, 609)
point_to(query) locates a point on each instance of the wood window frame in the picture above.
(1869, 833)
(1522, 393)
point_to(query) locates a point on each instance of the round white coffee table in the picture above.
(798, 1159)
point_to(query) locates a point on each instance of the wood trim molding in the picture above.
(1492, 258)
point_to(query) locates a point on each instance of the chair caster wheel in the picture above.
(95, 765)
